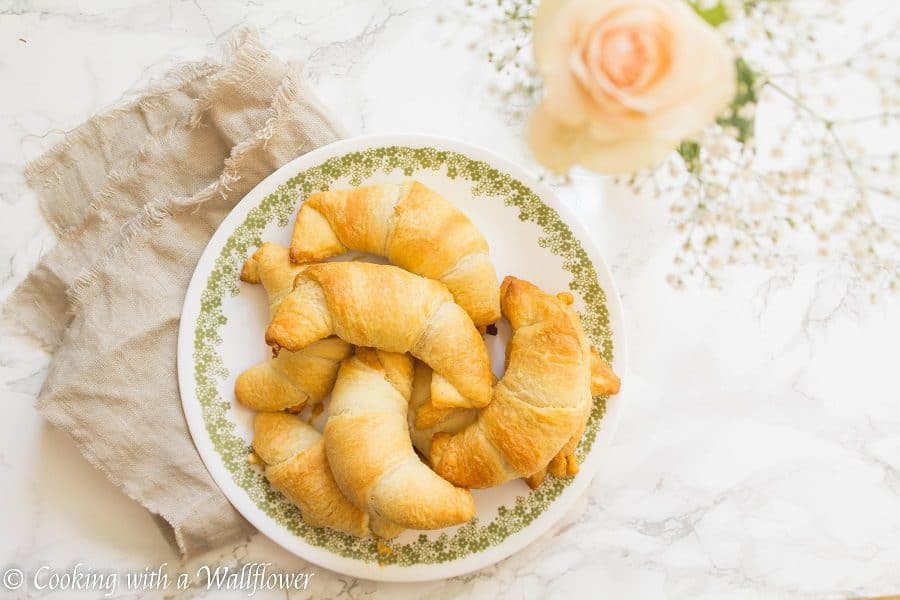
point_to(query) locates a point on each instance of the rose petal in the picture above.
(624, 155)
(699, 57)
(613, 126)
(699, 84)
(580, 15)
(545, 23)
(622, 58)
(704, 104)
(565, 96)
(554, 145)
(657, 41)
(560, 28)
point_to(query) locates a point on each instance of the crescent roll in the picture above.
(295, 464)
(411, 225)
(539, 404)
(385, 307)
(449, 421)
(603, 381)
(291, 379)
(369, 449)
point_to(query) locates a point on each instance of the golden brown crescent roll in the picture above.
(411, 225)
(603, 378)
(369, 449)
(295, 464)
(449, 421)
(291, 379)
(385, 307)
(603, 381)
(539, 404)
(564, 464)
(425, 421)
(271, 266)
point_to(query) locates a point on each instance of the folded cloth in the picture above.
(134, 195)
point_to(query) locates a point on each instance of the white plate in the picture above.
(531, 235)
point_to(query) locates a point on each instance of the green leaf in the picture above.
(714, 14)
(740, 114)
(690, 153)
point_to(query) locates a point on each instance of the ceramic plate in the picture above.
(531, 235)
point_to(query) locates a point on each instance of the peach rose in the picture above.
(625, 81)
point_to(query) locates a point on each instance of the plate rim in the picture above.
(238, 497)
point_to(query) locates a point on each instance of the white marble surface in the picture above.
(759, 455)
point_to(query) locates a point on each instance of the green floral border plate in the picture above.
(531, 235)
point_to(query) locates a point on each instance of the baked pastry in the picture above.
(271, 266)
(538, 405)
(411, 225)
(603, 381)
(421, 430)
(295, 464)
(385, 307)
(369, 449)
(291, 379)
(425, 420)
(603, 378)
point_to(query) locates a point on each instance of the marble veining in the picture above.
(759, 451)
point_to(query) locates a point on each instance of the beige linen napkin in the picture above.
(134, 195)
